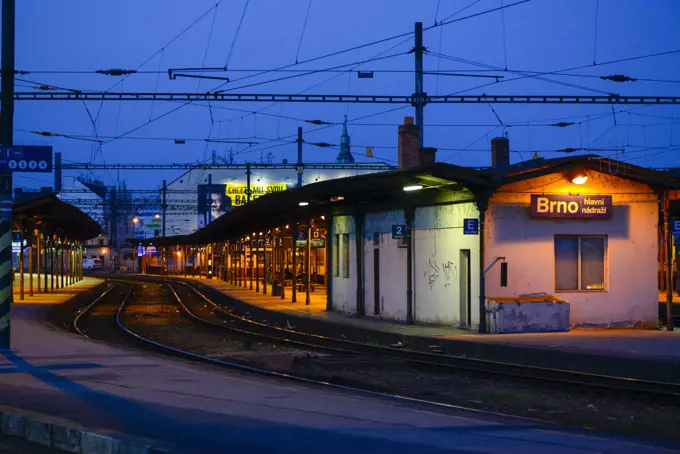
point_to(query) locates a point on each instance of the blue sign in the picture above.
(399, 232)
(26, 159)
(471, 227)
(675, 226)
(140, 251)
(301, 235)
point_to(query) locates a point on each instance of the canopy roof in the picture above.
(363, 191)
(56, 216)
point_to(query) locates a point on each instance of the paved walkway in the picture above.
(55, 296)
(194, 408)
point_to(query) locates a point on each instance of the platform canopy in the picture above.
(441, 183)
(55, 216)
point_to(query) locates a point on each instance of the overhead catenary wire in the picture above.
(238, 29)
(304, 28)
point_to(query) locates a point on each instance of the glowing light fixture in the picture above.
(337, 198)
(579, 179)
(303, 204)
(158, 216)
(135, 220)
(413, 187)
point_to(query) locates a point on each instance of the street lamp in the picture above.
(158, 216)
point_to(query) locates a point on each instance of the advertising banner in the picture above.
(212, 203)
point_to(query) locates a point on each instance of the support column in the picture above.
(53, 254)
(30, 269)
(38, 254)
(21, 265)
(308, 257)
(329, 262)
(45, 259)
(264, 266)
(282, 253)
(257, 264)
(252, 260)
(668, 237)
(359, 249)
(294, 231)
(408, 214)
(61, 258)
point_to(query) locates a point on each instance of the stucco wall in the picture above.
(438, 240)
(392, 274)
(631, 294)
(344, 290)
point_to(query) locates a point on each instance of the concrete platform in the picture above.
(648, 354)
(194, 408)
(55, 296)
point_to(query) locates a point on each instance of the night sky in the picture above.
(55, 39)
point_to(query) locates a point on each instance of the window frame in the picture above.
(605, 265)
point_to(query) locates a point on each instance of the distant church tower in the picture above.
(345, 156)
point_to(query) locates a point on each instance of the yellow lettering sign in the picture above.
(239, 192)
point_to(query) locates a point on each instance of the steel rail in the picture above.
(87, 309)
(296, 378)
(561, 376)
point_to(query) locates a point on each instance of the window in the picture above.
(335, 252)
(345, 255)
(580, 262)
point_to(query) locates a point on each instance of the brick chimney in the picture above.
(500, 152)
(408, 147)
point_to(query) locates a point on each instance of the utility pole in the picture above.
(299, 159)
(57, 172)
(7, 119)
(248, 191)
(164, 205)
(419, 97)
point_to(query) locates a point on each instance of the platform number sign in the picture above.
(399, 232)
(471, 227)
(675, 226)
(26, 159)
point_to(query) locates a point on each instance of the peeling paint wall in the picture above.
(438, 241)
(535, 317)
(392, 262)
(344, 290)
(631, 293)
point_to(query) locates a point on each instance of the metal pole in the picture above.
(294, 270)
(282, 254)
(38, 256)
(248, 190)
(7, 119)
(264, 267)
(164, 206)
(57, 172)
(30, 270)
(419, 95)
(409, 265)
(61, 259)
(308, 253)
(21, 265)
(252, 259)
(257, 264)
(53, 254)
(299, 158)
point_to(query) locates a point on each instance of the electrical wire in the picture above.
(238, 29)
(524, 75)
(460, 10)
(304, 27)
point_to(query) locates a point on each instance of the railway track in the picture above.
(202, 309)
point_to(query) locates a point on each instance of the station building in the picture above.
(541, 245)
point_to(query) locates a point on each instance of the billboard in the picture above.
(237, 191)
(213, 202)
